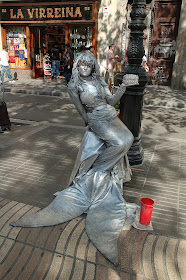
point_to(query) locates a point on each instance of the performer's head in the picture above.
(85, 65)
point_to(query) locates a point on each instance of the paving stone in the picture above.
(23, 235)
(92, 253)
(137, 253)
(63, 240)
(101, 272)
(18, 264)
(77, 271)
(55, 266)
(53, 237)
(3, 202)
(67, 269)
(147, 257)
(10, 231)
(181, 257)
(31, 264)
(126, 276)
(42, 265)
(126, 252)
(5, 248)
(74, 238)
(8, 263)
(83, 245)
(170, 258)
(159, 260)
(90, 271)
(113, 274)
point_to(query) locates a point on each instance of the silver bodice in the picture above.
(90, 96)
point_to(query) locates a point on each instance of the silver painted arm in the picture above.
(113, 99)
(128, 80)
(74, 94)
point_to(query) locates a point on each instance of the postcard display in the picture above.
(16, 43)
(47, 65)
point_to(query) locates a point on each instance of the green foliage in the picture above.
(117, 105)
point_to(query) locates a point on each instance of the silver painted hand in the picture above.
(130, 80)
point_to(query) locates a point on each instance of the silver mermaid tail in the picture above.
(96, 192)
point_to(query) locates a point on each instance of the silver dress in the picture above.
(101, 168)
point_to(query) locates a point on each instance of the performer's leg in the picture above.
(118, 140)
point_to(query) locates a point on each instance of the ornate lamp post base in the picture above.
(136, 154)
(131, 103)
(131, 114)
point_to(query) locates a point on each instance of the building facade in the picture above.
(31, 29)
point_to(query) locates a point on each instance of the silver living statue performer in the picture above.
(101, 167)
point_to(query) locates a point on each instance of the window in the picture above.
(80, 36)
(17, 49)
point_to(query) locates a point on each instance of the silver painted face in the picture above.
(84, 69)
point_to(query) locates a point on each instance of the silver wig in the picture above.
(88, 58)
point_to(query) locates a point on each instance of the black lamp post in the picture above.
(132, 101)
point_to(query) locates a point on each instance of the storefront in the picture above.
(31, 30)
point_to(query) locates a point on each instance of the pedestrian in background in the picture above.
(56, 57)
(81, 49)
(144, 63)
(69, 58)
(110, 58)
(5, 67)
(91, 49)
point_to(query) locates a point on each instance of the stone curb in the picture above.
(38, 92)
(157, 98)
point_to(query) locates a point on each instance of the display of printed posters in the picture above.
(16, 41)
(16, 47)
(8, 40)
(11, 53)
(16, 53)
(22, 63)
(12, 59)
(11, 47)
(21, 40)
(21, 55)
(21, 46)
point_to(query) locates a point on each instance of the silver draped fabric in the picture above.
(96, 184)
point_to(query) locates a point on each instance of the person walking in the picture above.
(144, 63)
(56, 57)
(5, 67)
(69, 58)
(81, 49)
(110, 58)
(91, 49)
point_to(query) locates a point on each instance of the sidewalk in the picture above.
(157, 96)
(37, 157)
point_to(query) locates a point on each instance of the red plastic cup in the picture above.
(147, 205)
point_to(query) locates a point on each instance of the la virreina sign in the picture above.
(45, 13)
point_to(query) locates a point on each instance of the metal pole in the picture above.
(132, 101)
